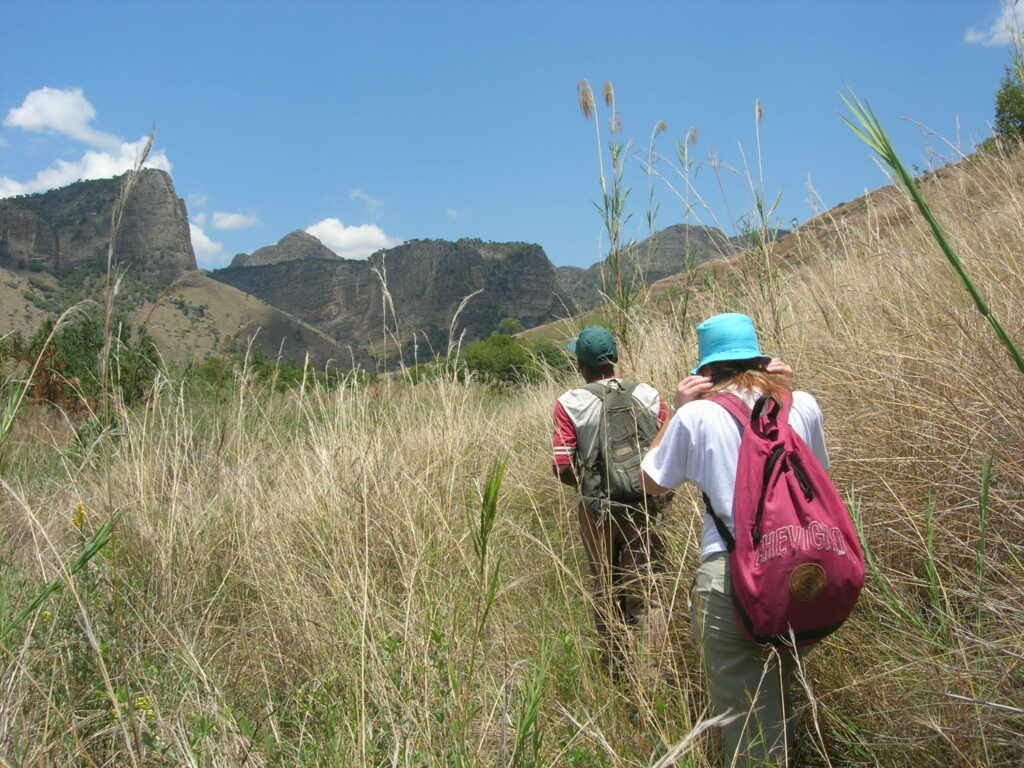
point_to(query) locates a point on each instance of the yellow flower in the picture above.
(78, 516)
(142, 709)
(46, 616)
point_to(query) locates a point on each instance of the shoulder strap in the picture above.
(734, 405)
(740, 411)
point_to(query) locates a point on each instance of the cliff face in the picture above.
(415, 288)
(67, 229)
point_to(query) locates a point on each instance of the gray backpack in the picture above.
(610, 469)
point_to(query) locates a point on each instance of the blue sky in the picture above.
(371, 123)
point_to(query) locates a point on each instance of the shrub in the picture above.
(500, 359)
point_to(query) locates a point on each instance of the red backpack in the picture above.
(795, 561)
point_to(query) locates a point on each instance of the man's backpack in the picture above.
(795, 560)
(609, 471)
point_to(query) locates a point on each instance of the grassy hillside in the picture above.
(197, 316)
(315, 577)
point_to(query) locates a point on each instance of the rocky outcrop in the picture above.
(414, 290)
(67, 230)
(672, 250)
(292, 247)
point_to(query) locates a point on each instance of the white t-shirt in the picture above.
(702, 444)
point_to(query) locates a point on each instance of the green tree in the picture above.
(1009, 122)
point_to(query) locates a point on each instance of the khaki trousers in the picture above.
(624, 556)
(746, 679)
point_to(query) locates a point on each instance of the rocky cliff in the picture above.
(67, 231)
(414, 290)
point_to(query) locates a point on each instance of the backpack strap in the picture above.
(767, 412)
(741, 412)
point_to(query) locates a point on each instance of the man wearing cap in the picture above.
(622, 550)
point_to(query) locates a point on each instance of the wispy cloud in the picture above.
(452, 213)
(372, 204)
(1009, 22)
(234, 220)
(351, 242)
(53, 111)
(209, 253)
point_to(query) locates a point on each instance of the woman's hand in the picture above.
(689, 389)
(775, 365)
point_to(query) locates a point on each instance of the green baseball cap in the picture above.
(595, 346)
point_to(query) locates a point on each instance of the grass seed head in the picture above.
(586, 98)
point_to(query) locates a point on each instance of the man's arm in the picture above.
(563, 442)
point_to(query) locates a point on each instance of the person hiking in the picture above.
(700, 443)
(623, 548)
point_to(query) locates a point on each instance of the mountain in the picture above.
(293, 246)
(673, 250)
(420, 292)
(53, 252)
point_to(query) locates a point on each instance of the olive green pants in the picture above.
(748, 680)
(624, 556)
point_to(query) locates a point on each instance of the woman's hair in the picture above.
(748, 375)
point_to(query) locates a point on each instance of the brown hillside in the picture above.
(197, 317)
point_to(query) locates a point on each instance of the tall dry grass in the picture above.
(300, 581)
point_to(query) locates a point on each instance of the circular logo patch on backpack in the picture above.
(807, 582)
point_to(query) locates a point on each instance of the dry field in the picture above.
(328, 578)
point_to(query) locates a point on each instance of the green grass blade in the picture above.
(99, 540)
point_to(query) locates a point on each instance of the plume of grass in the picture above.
(623, 281)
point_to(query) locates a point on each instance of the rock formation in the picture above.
(413, 290)
(67, 230)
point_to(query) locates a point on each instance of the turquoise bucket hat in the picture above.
(729, 336)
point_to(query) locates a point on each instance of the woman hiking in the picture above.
(700, 443)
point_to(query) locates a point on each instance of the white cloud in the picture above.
(354, 242)
(1009, 22)
(92, 165)
(60, 111)
(197, 200)
(372, 203)
(234, 220)
(3, 143)
(209, 253)
(452, 213)
(69, 113)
